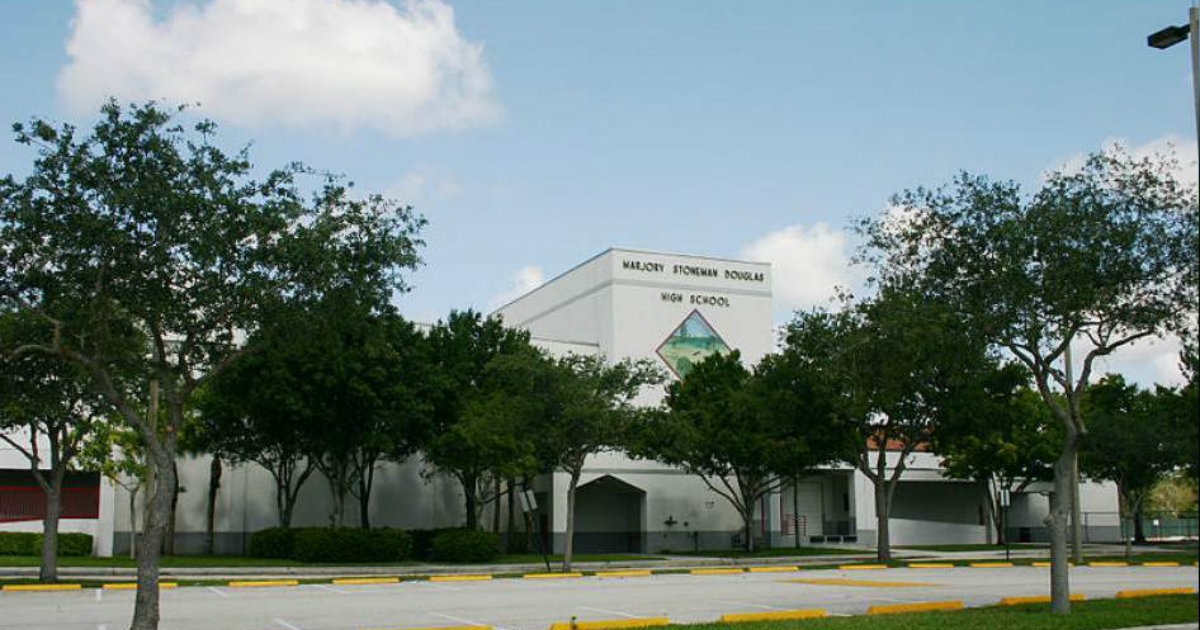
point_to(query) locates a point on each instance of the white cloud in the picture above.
(523, 281)
(808, 265)
(425, 185)
(1182, 152)
(401, 70)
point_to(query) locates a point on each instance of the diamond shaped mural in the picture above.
(690, 343)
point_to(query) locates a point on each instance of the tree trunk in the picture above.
(995, 512)
(364, 501)
(748, 524)
(49, 567)
(1077, 533)
(883, 508)
(510, 526)
(1139, 526)
(158, 509)
(337, 491)
(210, 515)
(796, 512)
(496, 505)
(133, 528)
(569, 547)
(469, 489)
(1058, 522)
(169, 537)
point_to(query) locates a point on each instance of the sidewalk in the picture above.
(655, 562)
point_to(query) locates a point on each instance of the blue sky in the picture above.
(739, 129)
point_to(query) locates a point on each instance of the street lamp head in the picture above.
(1168, 36)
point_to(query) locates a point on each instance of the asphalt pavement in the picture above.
(529, 604)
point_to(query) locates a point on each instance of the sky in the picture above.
(533, 135)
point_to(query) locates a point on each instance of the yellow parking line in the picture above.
(716, 571)
(930, 565)
(892, 609)
(773, 569)
(612, 624)
(1150, 592)
(42, 587)
(1046, 565)
(862, 567)
(1108, 564)
(811, 613)
(1160, 564)
(459, 578)
(1037, 599)
(621, 574)
(129, 586)
(257, 583)
(379, 580)
(991, 565)
(550, 576)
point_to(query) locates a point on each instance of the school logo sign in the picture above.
(692, 342)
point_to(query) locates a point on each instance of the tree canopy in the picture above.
(145, 227)
(1105, 254)
(744, 432)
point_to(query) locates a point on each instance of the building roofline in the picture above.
(618, 249)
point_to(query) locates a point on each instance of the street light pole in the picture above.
(1172, 35)
(1194, 28)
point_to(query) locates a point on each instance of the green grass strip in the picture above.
(1091, 615)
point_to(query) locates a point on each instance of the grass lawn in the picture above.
(952, 548)
(772, 553)
(182, 562)
(530, 558)
(1093, 615)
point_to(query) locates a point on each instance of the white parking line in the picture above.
(325, 587)
(218, 591)
(99, 593)
(747, 604)
(285, 624)
(612, 612)
(439, 587)
(465, 621)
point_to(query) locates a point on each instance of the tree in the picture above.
(743, 433)
(467, 446)
(1002, 436)
(47, 414)
(589, 408)
(1187, 408)
(900, 362)
(116, 452)
(144, 225)
(1104, 255)
(1131, 441)
(366, 378)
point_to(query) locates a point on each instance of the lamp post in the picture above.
(1172, 35)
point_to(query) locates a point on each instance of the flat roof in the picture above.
(622, 249)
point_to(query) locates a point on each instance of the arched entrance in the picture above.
(608, 516)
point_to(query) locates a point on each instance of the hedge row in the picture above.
(30, 544)
(316, 544)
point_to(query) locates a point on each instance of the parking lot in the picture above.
(526, 604)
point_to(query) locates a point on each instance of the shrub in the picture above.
(17, 544)
(69, 544)
(466, 545)
(351, 545)
(422, 541)
(275, 542)
(30, 544)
